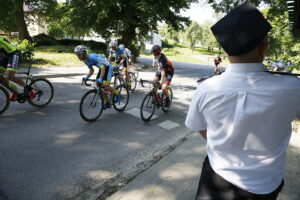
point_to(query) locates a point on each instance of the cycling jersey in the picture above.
(217, 60)
(119, 53)
(7, 46)
(128, 52)
(100, 62)
(96, 60)
(164, 63)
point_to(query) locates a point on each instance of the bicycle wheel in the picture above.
(44, 92)
(4, 99)
(123, 91)
(133, 81)
(147, 107)
(90, 107)
(164, 105)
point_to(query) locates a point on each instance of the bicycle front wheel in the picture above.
(133, 81)
(147, 107)
(4, 100)
(123, 91)
(165, 106)
(44, 92)
(90, 107)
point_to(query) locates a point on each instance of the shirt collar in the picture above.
(246, 67)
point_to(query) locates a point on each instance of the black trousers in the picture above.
(214, 187)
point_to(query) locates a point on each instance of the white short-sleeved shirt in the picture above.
(247, 113)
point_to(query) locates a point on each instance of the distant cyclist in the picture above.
(165, 70)
(121, 58)
(9, 63)
(217, 62)
(105, 69)
(128, 54)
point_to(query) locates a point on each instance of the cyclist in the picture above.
(128, 54)
(105, 70)
(121, 58)
(164, 72)
(9, 63)
(217, 62)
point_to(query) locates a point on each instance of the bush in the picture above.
(27, 50)
(44, 40)
(56, 32)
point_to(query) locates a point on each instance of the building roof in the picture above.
(294, 17)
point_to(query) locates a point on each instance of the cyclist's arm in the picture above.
(91, 71)
(102, 71)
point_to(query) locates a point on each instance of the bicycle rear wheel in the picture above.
(147, 107)
(4, 100)
(164, 106)
(123, 91)
(44, 92)
(90, 107)
(133, 81)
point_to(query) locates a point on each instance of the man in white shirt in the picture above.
(244, 114)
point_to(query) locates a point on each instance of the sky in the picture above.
(199, 13)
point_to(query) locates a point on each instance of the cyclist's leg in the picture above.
(166, 84)
(125, 71)
(5, 82)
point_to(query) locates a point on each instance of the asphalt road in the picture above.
(51, 153)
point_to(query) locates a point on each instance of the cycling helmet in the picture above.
(80, 49)
(155, 49)
(113, 44)
(122, 46)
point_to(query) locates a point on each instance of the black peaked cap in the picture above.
(241, 30)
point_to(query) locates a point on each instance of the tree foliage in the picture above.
(194, 34)
(127, 19)
(14, 17)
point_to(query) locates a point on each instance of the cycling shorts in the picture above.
(107, 76)
(169, 76)
(10, 62)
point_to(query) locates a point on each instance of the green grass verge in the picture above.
(182, 54)
(47, 56)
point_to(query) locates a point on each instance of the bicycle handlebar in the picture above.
(154, 83)
(87, 84)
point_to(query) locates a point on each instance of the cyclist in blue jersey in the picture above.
(128, 54)
(105, 69)
(121, 58)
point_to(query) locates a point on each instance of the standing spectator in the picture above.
(244, 114)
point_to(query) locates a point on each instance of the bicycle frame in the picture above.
(154, 91)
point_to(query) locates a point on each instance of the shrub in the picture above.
(56, 32)
(27, 50)
(43, 39)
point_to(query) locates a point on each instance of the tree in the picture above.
(14, 10)
(226, 5)
(128, 19)
(194, 34)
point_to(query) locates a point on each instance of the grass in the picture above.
(47, 56)
(184, 54)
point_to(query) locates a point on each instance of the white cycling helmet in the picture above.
(122, 46)
(113, 43)
(80, 49)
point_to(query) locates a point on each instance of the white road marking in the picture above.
(136, 112)
(168, 125)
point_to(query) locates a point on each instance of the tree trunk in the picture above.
(128, 35)
(20, 20)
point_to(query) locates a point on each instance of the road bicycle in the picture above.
(96, 100)
(154, 99)
(42, 88)
(119, 79)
